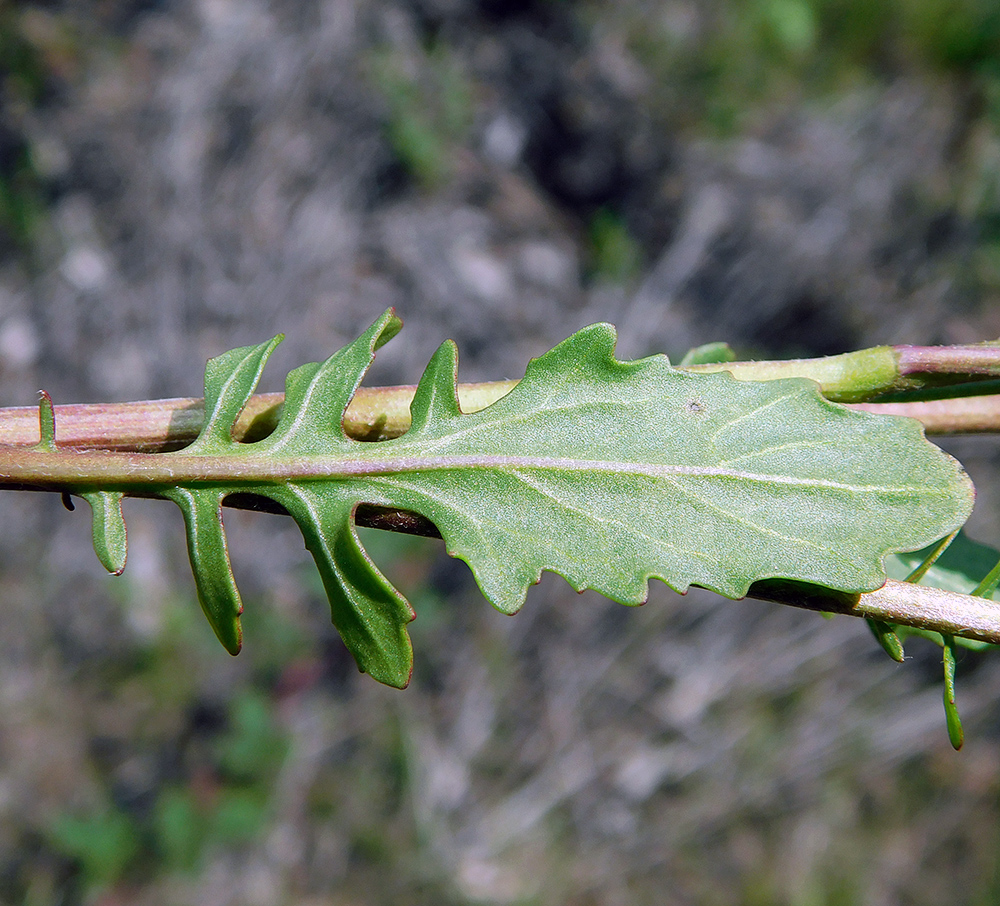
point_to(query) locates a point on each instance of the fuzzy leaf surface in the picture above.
(609, 473)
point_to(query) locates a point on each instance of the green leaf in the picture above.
(959, 568)
(46, 423)
(956, 735)
(213, 574)
(110, 542)
(369, 614)
(708, 354)
(954, 721)
(609, 473)
(989, 583)
(230, 380)
(885, 635)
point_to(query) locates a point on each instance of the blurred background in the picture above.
(180, 177)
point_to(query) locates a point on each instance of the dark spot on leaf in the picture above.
(695, 407)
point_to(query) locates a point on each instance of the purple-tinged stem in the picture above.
(962, 415)
(971, 360)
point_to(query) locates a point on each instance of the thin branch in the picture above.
(865, 374)
(980, 359)
(897, 602)
(383, 412)
(965, 415)
(155, 426)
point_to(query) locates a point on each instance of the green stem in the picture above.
(846, 378)
(868, 373)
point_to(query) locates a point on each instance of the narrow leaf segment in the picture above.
(609, 473)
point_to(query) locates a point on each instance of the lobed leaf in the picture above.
(609, 473)
(614, 472)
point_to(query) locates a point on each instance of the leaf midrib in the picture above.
(239, 468)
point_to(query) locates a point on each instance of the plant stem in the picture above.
(981, 359)
(867, 373)
(155, 426)
(965, 415)
(847, 378)
(383, 412)
(902, 603)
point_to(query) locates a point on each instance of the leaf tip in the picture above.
(956, 735)
(228, 628)
(436, 396)
(386, 327)
(46, 423)
(110, 536)
(885, 635)
(273, 344)
(237, 646)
